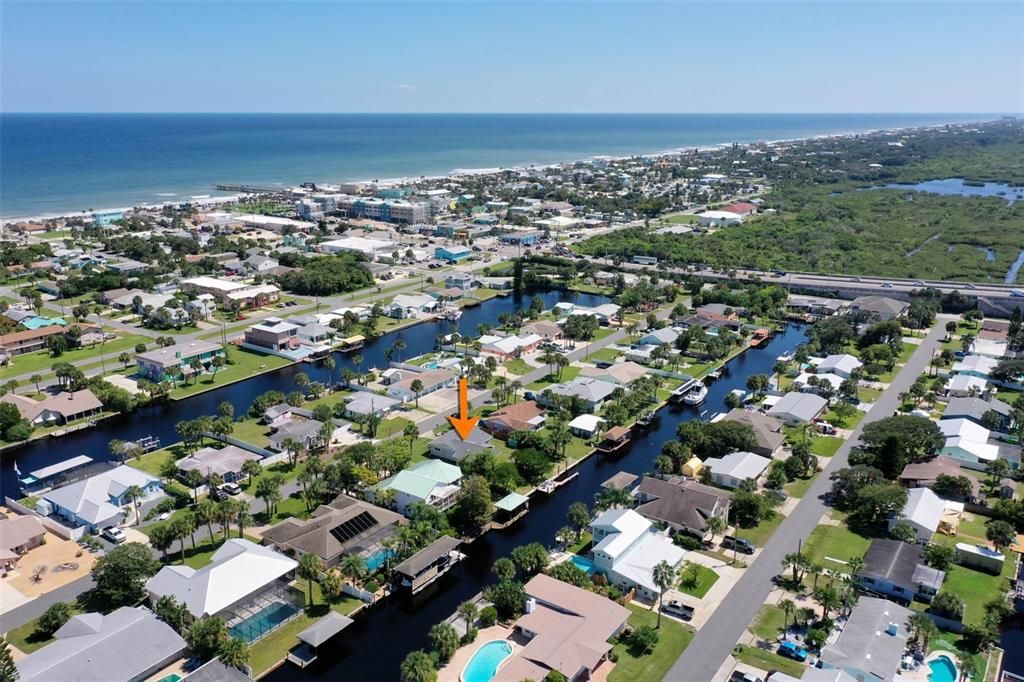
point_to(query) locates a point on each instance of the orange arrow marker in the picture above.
(463, 423)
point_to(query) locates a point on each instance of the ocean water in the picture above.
(51, 163)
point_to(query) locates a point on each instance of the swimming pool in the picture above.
(584, 564)
(260, 624)
(485, 662)
(942, 669)
(431, 365)
(377, 559)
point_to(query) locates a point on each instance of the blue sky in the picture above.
(825, 56)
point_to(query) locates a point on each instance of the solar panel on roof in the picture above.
(358, 524)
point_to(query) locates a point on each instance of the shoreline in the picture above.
(463, 172)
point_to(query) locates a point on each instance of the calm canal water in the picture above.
(159, 420)
(373, 647)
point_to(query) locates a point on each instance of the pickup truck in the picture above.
(676, 608)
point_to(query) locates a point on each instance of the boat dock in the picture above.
(552, 484)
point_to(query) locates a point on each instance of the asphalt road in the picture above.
(714, 642)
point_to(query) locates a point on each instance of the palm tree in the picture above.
(828, 600)
(35, 379)
(416, 386)
(716, 525)
(234, 652)
(243, 518)
(399, 347)
(515, 387)
(206, 513)
(329, 365)
(410, 433)
(250, 468)
(664, 577)
(309, 568)
(788, 607)
(815, 570)
(468, 612)
(134, 493)
(353, 567)
(923, 627)
(798, 563)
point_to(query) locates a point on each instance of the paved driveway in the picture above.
(715, 640)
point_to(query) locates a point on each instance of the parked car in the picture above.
(114, 534)
(218, 495)
(739, 544)
(739, 676)
(793, 650)
(674, 607)
(231, 488)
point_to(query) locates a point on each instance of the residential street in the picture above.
(714, 642)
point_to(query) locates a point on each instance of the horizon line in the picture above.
(519, 113)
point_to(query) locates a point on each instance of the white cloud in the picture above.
(406, 87)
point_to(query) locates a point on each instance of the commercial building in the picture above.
(452, 254)
(173, 362)
(388, 210)
(368, 248)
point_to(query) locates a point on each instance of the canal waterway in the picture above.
(958, 187)
(374, 646)
(159, 420)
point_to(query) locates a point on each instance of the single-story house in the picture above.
(897, 570)
(842, 365)
(767, 430)
(305, 432)
(620, 374)
(363, 404)
(510, 346)
(586, 426)
(522, 416)
(975, 365)
(659, 337)
(730, 471)
(411, 305)
(238, 572)
(547, 330)
(592, 392)
(924, 512)
(968, 443)
(798, 408)
(981, 412)
(451, 447)
(871, 644)
(96, 502)
(343, 526)
(18, 535)
(879, 307)
(227, 462)
(568, 630)
(431, 380)
(924, 474)
(682, 504)
(62, 408)
(965, 385)
(822, 384)
(130, 643)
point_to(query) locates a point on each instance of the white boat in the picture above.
(452, 314)
(696, 395)
(788, 356)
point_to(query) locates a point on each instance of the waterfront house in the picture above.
(549, 331)
(626, 550)
(591, 392)
(926, 513)
(227, 462)
(63, 408)
(129, 643)
(815, 307)
(586, 426)
(461, 280)
(521, 416)
(305, 432)
(405, 306)
(821, 384)
(272, 335)
(510, 346)
(240, 577)
(429, 482)
(275, 415)
(842, 365)
(898, 571)
(797, 408)
(567, 630)
(767, 430)
(432, 380)
(174, 362)
(363, 404)
(879, 308)
(98, 501)
(731, 470)
(451, 447)
(871, 644)
(682, 504)
(343, 526)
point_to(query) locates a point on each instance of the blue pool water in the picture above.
(258, 625)
(584, 564)
(377, 559)
(430, 365)
(485, 661)
(942, 670)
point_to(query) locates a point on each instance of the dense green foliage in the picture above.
(328, 276)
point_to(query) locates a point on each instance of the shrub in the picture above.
(53, 618)
(470, 636)
(371, 586)
(687, 541)
(488, 616)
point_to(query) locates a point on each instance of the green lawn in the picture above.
(673, 639)
(769, 622)
(976, 588)
(681, 219)
(252, 431)
(826, 446)
(605, 355)
(27, 639)
(568, 374)
(391, 426)
(975, 525)
(580, 546)
(836, 542)
(832, 418)
(799, 487)
(698, 587)
(760, 533)
(869, 395)
(242, 364)
(518, 366)
(768, 660)
(42, 360)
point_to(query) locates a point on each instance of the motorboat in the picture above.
(696, 395)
